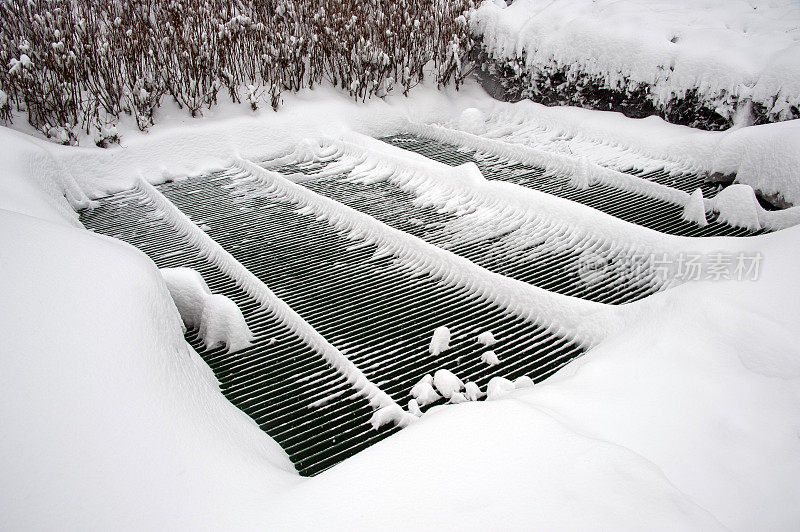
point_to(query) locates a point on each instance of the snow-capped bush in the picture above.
(78, 66)
(708, 64)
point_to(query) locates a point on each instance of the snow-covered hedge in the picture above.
(705, 63)
(79, 65)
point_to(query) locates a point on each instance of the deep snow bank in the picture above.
(109, 418)
(728, 52)
(686, 419)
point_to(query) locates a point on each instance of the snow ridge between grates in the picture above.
(583, 322)
(585, 173)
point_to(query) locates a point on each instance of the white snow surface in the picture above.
(743, 48)
(684, 417)
(108, 417)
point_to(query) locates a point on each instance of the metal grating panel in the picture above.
(641, 210)
(517, 251)
(377, 311)
(280, 382)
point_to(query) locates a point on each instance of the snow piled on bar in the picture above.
(748, 49)
(684, 417)
(766, 157)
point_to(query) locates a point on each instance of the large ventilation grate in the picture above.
(375, 306)
(377, 311)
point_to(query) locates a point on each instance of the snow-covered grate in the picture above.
(281, 382)
(377, 309)
(524, 249)
(627, 205)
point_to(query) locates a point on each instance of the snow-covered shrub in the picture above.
(710, 64)
(78, 66)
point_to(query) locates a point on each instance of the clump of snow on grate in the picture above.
(737, 205)
(458, 398)
(222, 323)
(472, 391)
(695, 209)
(472, 120)
(523, 382)
(423, 391)
(447, 383)
(581, 175)
(486, 338)
(498, 387)
(389, 414)
(189, 292)
(490, 358)
(440, 341)
(413, 408)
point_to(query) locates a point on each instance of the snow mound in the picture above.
(472, 391)
(413, 408)
(737, 205)
(458, 398)
(388, 414)
(490, 358)
(447, 383)
(486, 338)
(766, 157)
(523, 382)
(440, 341)
(222, 323)
(472, 120)
(189, 292)
(695, 209)
(423, 391)
(219, 320)
(498, 387)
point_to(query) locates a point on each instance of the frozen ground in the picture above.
(685, 416)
